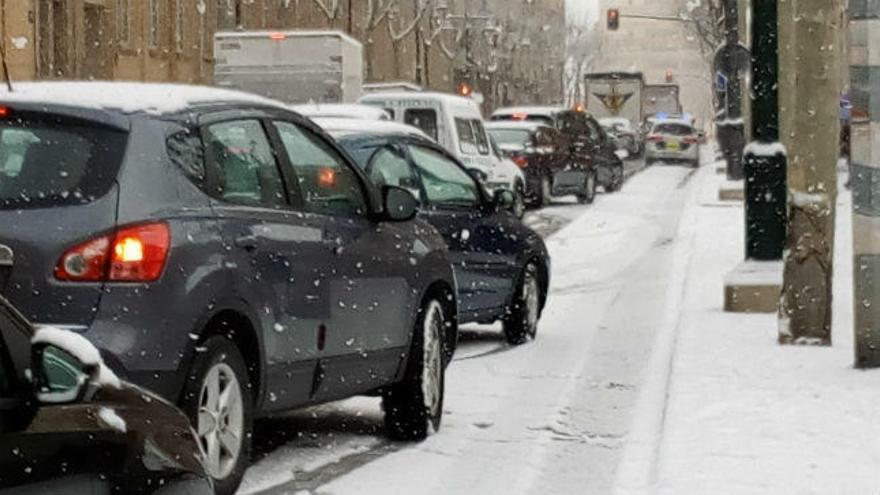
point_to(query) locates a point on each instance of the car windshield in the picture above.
(673, 129)
(45, 161)
(433, 247)
(511, 137)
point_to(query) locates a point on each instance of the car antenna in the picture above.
(5, 65)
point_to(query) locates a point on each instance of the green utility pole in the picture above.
(765, 159)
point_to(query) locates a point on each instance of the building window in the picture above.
(154, 18)
(123, 26)
(53, 39)
(178, 25)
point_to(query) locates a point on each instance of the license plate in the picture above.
(672, 145)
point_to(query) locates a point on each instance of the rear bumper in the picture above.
(689, 154)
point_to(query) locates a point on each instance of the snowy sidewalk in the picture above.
(728, 411)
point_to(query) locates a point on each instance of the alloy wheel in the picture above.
(221, 420)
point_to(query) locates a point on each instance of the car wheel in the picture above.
(616, 179)
(589, 193)
(519, 200)
(546, 192)
(414, 407)
(521, 324)
(218, 401)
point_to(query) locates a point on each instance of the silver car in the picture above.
(673, 141)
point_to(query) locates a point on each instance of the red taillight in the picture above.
(655, 139)
(690, 140)
(520, 161)
(277, 36)
(132, 254)
(4, 112)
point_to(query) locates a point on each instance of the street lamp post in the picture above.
(765, 158)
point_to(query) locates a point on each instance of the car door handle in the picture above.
(247, 242)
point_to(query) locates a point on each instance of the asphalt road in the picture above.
(302, 451)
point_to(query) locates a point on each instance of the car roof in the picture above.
(524, 125)
(548, 111)
(344, 128)
(342, 111)
(127, 97)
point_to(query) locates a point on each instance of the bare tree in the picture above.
(330, 10)
(579, 56)
(704, 23)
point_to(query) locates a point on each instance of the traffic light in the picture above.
(465, 89)
(613, 19)
(669, 75)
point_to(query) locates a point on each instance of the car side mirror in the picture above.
(66, 368)
(478, 175)
(503, 199)
(399, 204)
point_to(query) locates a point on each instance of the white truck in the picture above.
(291, 66)
(659, 99)
(615, 94)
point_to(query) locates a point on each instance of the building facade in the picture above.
(507, 45)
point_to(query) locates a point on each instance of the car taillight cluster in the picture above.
(655, 139)
(131, 254)
(520, 161)
(690, 140)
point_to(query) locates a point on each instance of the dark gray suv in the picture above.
(224, 252)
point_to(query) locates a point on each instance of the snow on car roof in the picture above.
(127, 97)
(416, 95)
(524, 125)
(342, 110)
(339, 127)
(534, 110)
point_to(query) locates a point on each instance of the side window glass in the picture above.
(5, 374)
(467, 142)
(326, 183)
(388, 167)
(423, 118)
(480, 137)
(445, 183)
(241, 164)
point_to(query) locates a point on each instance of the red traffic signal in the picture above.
(669, 75)
(465, 89)
(613, 19)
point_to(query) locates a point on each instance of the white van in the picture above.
(457, 124)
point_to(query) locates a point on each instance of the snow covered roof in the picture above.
(525, 125)
(290, 33)
(126, 97)
(342, 110)
(535, 110)
(338, 127)
(416, 95)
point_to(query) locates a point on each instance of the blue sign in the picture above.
(721, 81)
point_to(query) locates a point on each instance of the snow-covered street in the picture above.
(550, 416)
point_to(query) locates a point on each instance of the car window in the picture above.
(467, 142)
(47, 163)
(445, 183)
(512, 137)
(422, 118)
(673, 129)
(389, 167)
(241, 165)
(325, 181)
(6, 373)
(480, 138)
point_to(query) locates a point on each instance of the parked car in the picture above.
(70, 426)
(546, 156)
(627, 136)
(456, 123)
(215, 244)
(673, 140)
(502, 267)
(583, 131)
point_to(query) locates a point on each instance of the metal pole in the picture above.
(765, 160)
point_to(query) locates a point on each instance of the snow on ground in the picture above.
(510, 416)
(744, 415)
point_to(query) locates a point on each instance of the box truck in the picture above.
(291, 66)
(615, 94)
(660, 99)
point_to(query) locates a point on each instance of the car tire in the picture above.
(616, 181)
(589, 190)
(519, 200)
(521, 323)
(219, 369)
(545, 192)
(414, 407)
